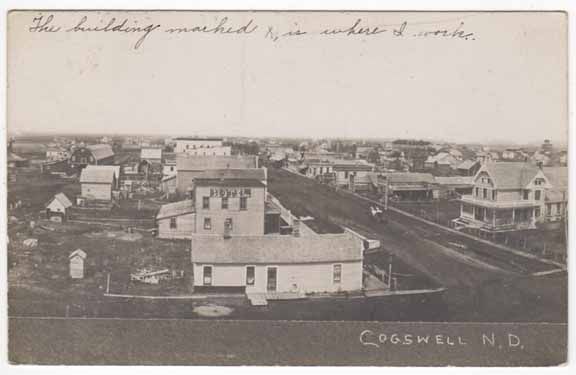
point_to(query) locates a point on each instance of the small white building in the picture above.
(55, 153)
(151, 154)
(56, 208)
(77, 259)
(271, 264)
(98, 181)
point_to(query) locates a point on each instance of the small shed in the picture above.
(56, 208)
(77, 258)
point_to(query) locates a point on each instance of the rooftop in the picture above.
(467, 164)
(276, 249)
(101, 151)
(235, 174)
(63, 199)
(199, 163)
(198, 139)
(151, 153)
(175, 209)
(228, 182)
(511, 175)
(99, 174)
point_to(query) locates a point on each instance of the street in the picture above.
(484, 283)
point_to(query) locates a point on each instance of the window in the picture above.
(206, 203)
(207, 223)
(228, 224)
(173, 223)
(484, 193)
(494, 195)
(250, 275)
(345, 174)
(477, 192)
(207, 279)
(548, 209)
(243, 203)
(337, 273)
(526, 195)
(224, 203)
(537, 194)
(537, 212)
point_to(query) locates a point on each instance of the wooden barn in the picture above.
(101, 154)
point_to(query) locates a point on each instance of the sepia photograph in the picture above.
(287, 187)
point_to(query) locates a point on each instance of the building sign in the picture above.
(230, 192)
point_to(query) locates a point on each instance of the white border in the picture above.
(501, 5)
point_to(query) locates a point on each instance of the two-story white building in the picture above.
(201, 146)
(506, 196)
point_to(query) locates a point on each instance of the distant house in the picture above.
(97, 182)
(151, 155)
(278, 263)
(55, 153)
(556, 198)
(76, 260)
(197, 146)
(406, 186)
(353, 174)
(362, 152)
(506, 196)
(454, 186)
(56, 209)
(317, 168)
(442, 163)
(468, 167)
(168, 184)
(169, 164)
(101, 154)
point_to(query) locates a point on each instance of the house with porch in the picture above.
(506, 196)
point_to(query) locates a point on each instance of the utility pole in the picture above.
(108, 283)
(390, 274)
(386, 195)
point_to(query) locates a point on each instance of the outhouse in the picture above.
(77, 258)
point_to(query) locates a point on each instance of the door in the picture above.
(272, 279)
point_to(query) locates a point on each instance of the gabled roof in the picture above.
(151, 153)
(63, 199)
(175, 209)
(101, 151)
(276, 249)
(510, 175)
(199, 163)
(467, 164)
(103, 174)
(78, 252)
(557, 176)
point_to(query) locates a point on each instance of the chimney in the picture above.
(296, 227)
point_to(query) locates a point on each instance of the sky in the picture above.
(506, 83)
